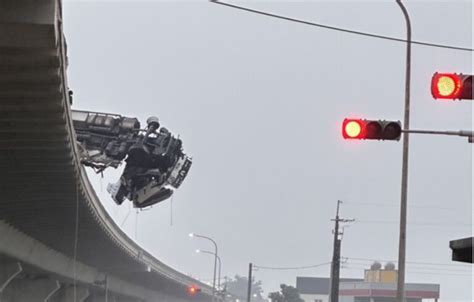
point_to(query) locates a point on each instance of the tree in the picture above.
(287, 293)
(276, 297)
(238, 287)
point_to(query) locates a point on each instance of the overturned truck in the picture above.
(155, 161)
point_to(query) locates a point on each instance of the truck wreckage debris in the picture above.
(155, 161)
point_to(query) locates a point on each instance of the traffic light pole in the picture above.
(406, 142)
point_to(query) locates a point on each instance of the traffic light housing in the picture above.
(371, 129)
(451, 86)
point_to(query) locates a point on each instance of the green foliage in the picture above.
(276, 297)
(287, 293)
(238, 287)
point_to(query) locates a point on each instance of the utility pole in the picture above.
(336, 256)
(249, 286)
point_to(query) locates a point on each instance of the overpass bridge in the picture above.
(57, 242)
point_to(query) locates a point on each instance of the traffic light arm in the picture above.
(464, 133)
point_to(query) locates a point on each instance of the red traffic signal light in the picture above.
(451, 86)
(352, 128)
(371, 129)
(192, 290)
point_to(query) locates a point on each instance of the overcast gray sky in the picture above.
(259, 103)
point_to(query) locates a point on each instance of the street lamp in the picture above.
(220, 266)
(215, 255)
(405, 155)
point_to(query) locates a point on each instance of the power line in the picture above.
(431, 269)
(419, 206)
(424, 269)
(412, 262)
(417, 269)
(422, 224)
(291, 268)
(350, 31)
(442, 274)
(418, 272)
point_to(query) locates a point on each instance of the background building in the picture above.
(379, 285)
(316, 289)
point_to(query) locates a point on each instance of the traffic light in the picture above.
(193, 290)
(371, 129)
(451, 86)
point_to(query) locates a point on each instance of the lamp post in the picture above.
(215, 256)
(220, 266)
(404, 187)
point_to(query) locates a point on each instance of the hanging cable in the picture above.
(136, 225)
(171, 210)
(126, 216)
(355, 32)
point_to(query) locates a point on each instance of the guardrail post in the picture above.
(52, 291)
(31, 290)
(8, 273)
(80, 293)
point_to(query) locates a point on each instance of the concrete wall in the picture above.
(28, 11)
(29, 288)
(28, 23)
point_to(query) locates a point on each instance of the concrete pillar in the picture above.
(31, 290)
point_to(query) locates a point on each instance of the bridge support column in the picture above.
(30, 290)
